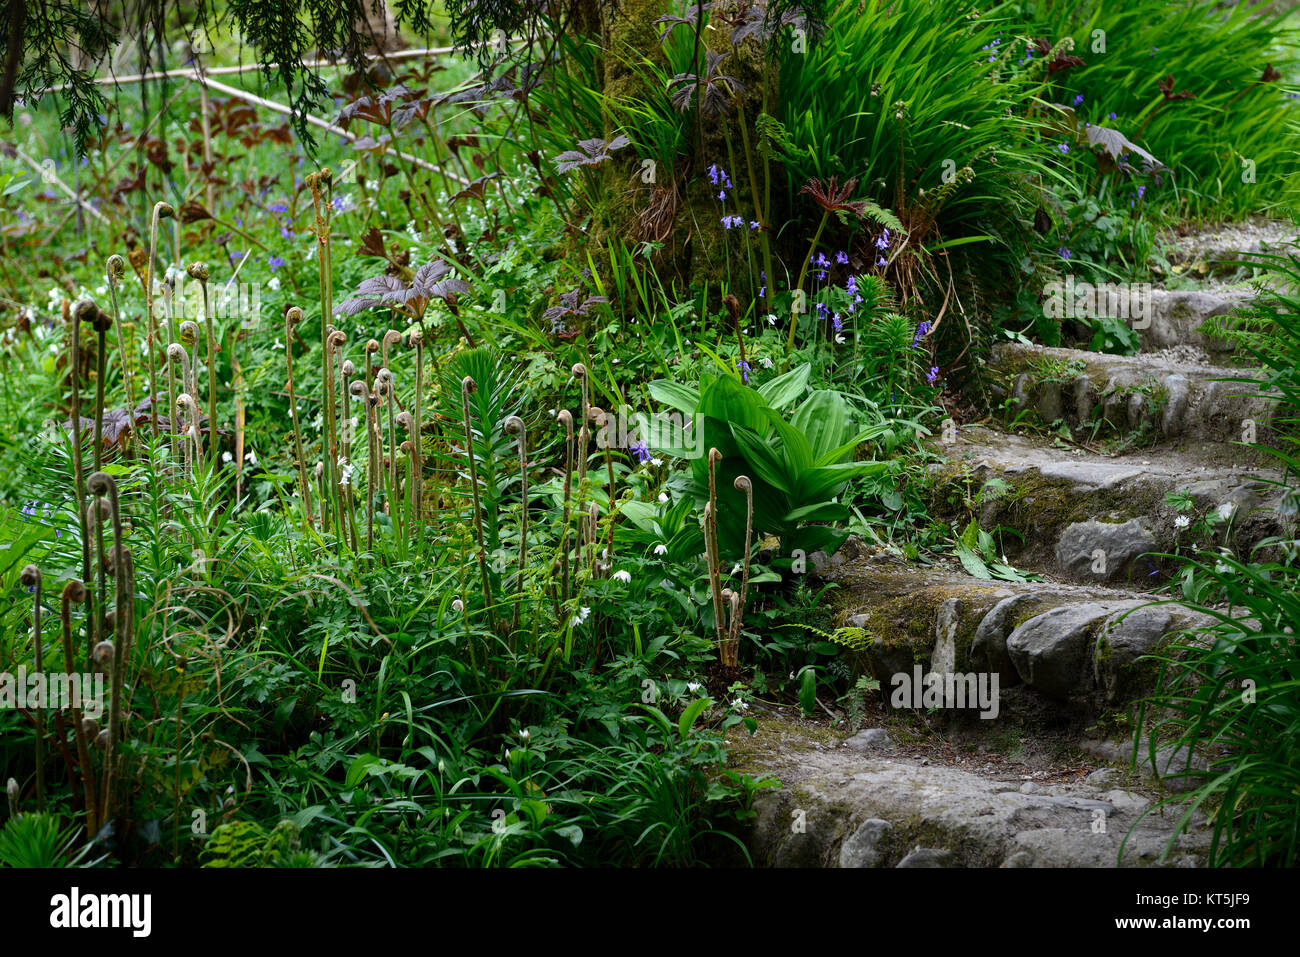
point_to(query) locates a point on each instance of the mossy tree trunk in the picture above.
(678, 207)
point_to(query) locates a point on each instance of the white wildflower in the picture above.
(693, 686)
(1182, 521)
(622, 575)
(580, 617)
(839, 340)
(661, 549)
(458, 606)
(767, 363)
(1226, 510)
(663, 498)
(739, 705)
(273, 282)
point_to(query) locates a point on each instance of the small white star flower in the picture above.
(767, 363)
(458, 606)
(661, 549)
(839, 340)
(1182, 521)
(1226, 510)
(273, 282)
(739, 705)
(663, 498)
(693, 686)
(622, 575)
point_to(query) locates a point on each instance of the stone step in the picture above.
(1217, 251)
(1038, 651)
(1173, 394)
(843, 803)
(1181, 318)
(1092, 518)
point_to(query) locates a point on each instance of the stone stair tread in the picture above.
(1073, 647)
(1175, 393)
(1229, 241)
(1011, 453)
(1066, 501)
(840, 807)
(1159, 363)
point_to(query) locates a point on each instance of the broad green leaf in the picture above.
(765, 462)
(692, 712)
(795, 447)
(729, 401)
(824, 419)
(784, 389)
(676, 395)
(820, 512)
(973, 563)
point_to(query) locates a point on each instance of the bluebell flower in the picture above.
(921, 330)
(743, 367)
(640, 450)
(279, 207)
(275, 262)
(1063, 252)
(1110, 116)
(1062, 147)
(883, 241)
(842, 258)
(1078, 99)
(932, 374)
(882, 261)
